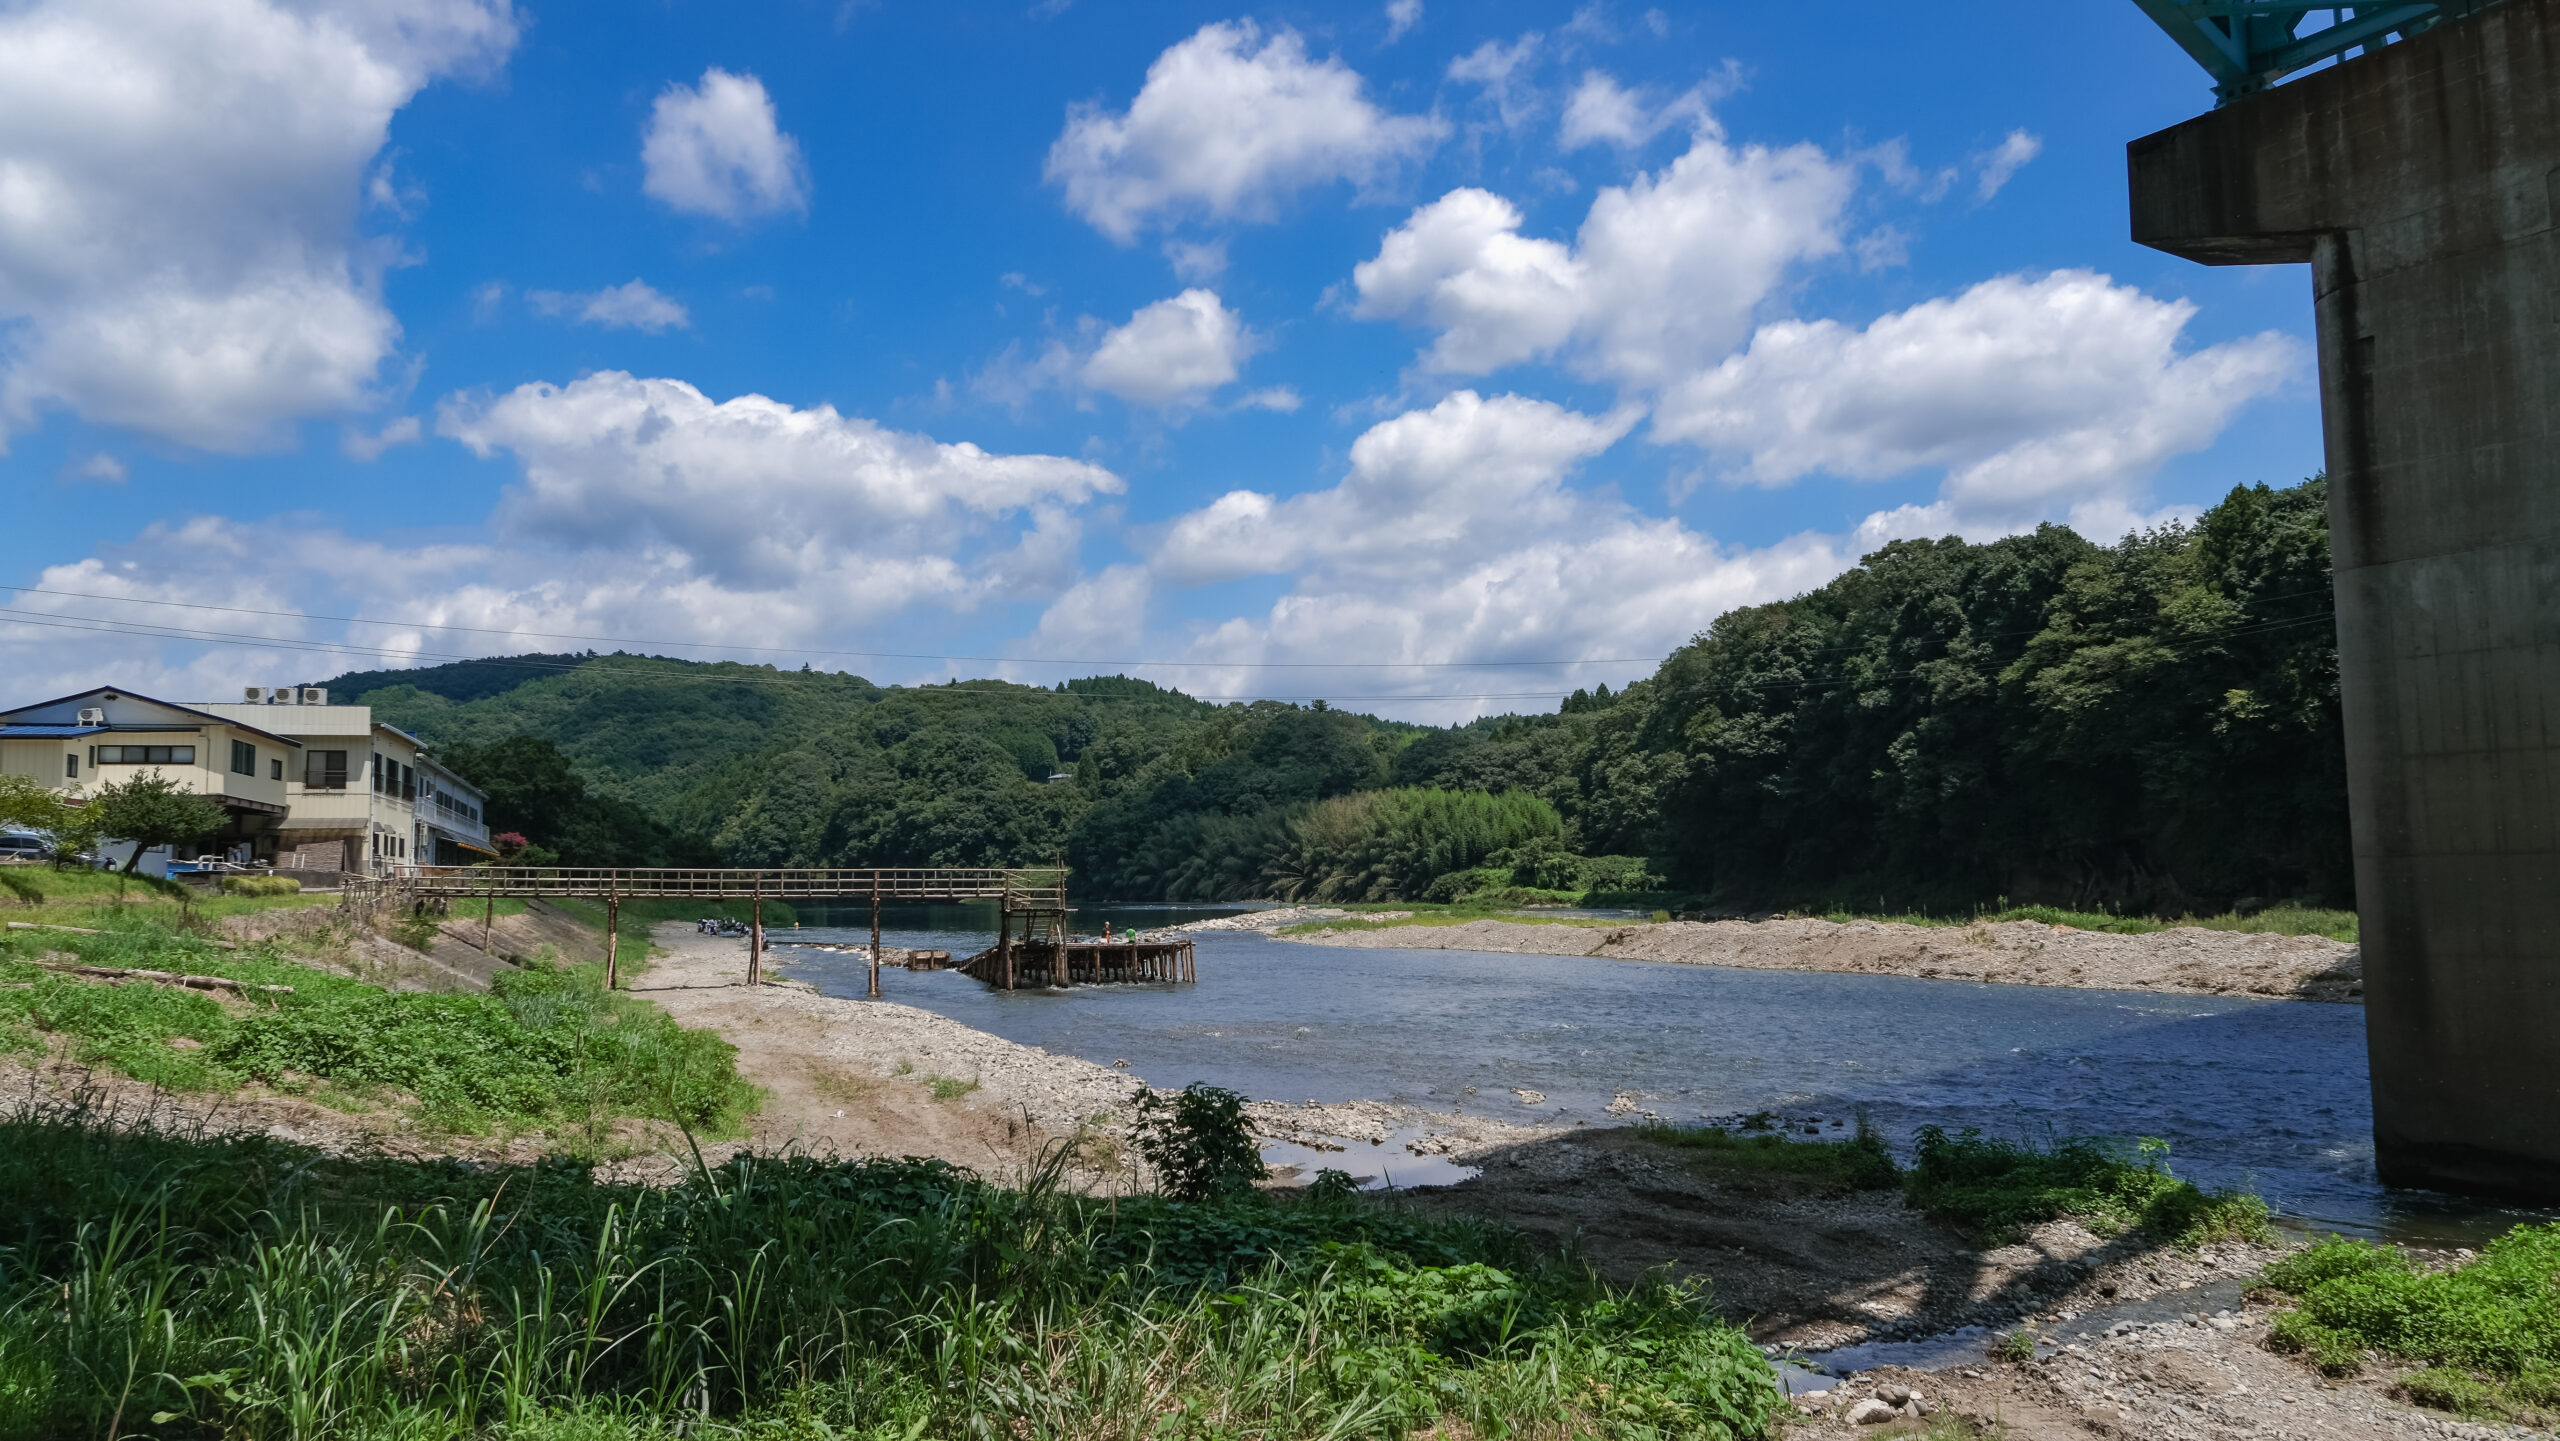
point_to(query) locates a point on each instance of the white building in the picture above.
(367, 796)
(109, 735)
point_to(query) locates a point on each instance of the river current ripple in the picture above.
(2271, 1095)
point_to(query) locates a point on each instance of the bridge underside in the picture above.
(2421, 184)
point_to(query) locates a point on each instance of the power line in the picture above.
(235, 640)
(859, 654)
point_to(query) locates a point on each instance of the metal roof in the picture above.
(46, 732)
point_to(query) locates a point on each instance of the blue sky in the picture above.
(1308, 350)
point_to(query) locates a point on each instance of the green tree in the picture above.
(150, 811)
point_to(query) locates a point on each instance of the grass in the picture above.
(946, 1088)
(1860, 1163)
(1994, 1190)
(2486, 1333)
(91, 898)
(546, 1048)
(2285, 920)
(241, 1286)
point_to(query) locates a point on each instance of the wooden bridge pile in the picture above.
(1036, 963)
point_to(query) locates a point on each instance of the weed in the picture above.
(1860, 1163)
(415, 929)
(261, 886)
(2017, 1346)
(944, 1088)
(1993, 1190)
(23, 887)
(1198, 1140)
(2488, 1330)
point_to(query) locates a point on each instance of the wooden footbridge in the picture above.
(1032, 902)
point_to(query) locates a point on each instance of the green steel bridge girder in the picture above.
(2248, 45)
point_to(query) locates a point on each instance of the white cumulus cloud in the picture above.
(1229, 124)
(1173, 351)
(635, 305)
(1662, 278)
(2060, 392)
(753, 491)
(716, 149)
(180, 186)
(1402, 16)
(1455, 535)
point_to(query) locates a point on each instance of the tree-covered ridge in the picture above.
(2149, 724)
(2152, 724)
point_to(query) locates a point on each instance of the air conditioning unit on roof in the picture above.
(254, 695)
(315, 695)
(93, 716)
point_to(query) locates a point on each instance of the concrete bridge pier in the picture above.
(2421, 183)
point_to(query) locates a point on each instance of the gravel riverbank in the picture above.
(2184, 959)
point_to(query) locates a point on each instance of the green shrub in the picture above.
(261, 886)
(1199, 1142)
(1995, 1189)
(2497, 1315)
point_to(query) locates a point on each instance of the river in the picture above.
(2271, 1095)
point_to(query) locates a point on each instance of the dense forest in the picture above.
(2151, 724)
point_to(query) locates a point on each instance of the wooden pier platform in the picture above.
(1036, 963)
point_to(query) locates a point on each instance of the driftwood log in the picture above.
(164, 978)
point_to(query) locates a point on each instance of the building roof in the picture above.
(45, 732)
(153, 700)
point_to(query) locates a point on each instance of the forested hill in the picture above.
(2151, 723)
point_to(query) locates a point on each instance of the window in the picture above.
(376, 767)
(244, 758)
(144, 756)
(408, 782)
(324, 770)
(275, 770)
(71, 767)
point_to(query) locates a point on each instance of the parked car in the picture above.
(23, 847)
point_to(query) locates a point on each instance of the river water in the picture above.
(2266, 1094)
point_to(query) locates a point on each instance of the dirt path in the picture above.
(2188, 960)
(859, 1078)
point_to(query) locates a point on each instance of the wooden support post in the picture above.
(1004, 935)
(1058, 947)
(612, 937)
(488, 922)
(875, 937)
(755, 936)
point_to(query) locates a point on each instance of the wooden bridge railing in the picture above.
(1028, 888)
(1040, 891)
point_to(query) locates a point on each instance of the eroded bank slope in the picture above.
(2186, 959)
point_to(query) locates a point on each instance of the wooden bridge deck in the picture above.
(1042, 955)
(1036, 963)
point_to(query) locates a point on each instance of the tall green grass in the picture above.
(237, 1286)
